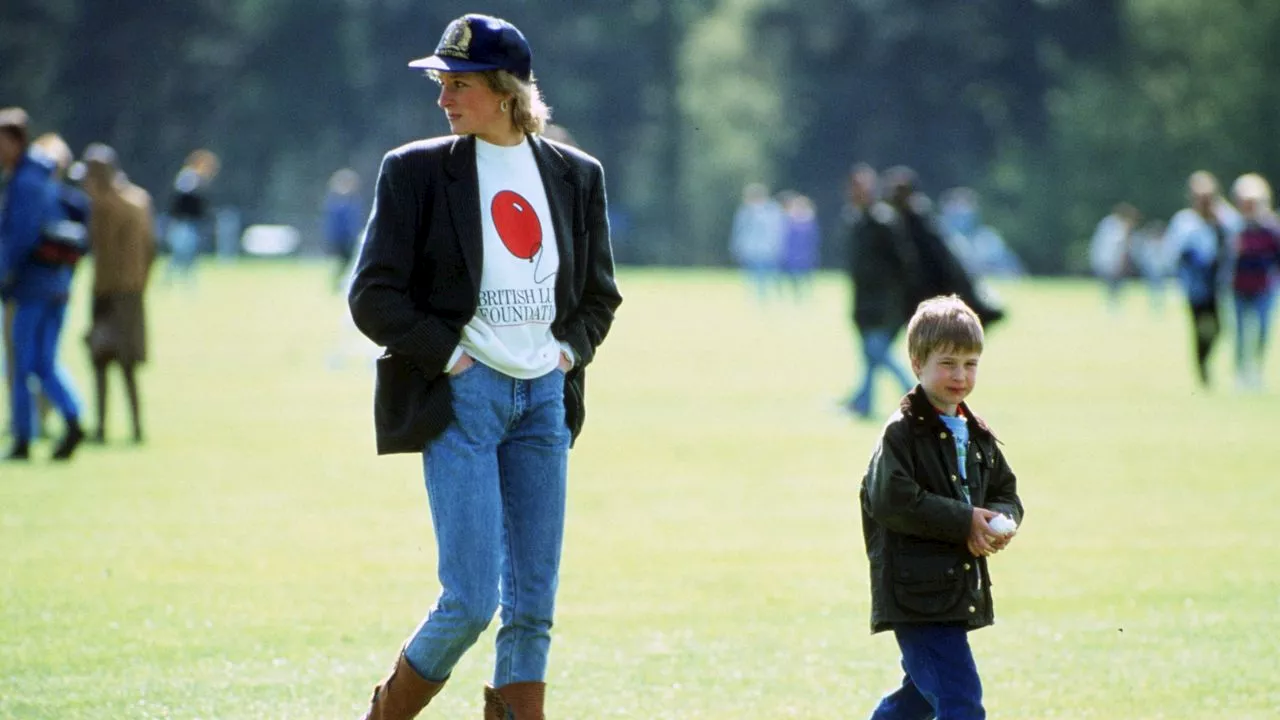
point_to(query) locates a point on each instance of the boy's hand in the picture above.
(982, 539)
(1002, 542)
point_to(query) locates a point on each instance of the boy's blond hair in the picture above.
(943, 323)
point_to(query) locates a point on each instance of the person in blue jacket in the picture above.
(40, 231)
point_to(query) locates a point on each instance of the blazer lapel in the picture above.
(555, 180)
(463, 191)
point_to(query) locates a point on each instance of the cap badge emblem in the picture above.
(457, 40)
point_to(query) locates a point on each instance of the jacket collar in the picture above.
(922, 416)
(554, 169)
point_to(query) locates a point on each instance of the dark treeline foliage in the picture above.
(1053, 109)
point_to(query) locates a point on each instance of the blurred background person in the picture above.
(800, 244)
(1257, 263)
(757, 237)
(940, 271)
(1198, 240)
(344, 215)
(1110, 250)
(61, 243)
(1152, 261)
(980, 247)
(189, 214)
(123, 241)
(882, 268)
(40, 222)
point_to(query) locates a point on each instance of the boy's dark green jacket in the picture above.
(915, 521)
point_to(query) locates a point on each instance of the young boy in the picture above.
(935, 484)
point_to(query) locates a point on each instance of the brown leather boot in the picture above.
(524, 699)
(495, 708)
(402, 695)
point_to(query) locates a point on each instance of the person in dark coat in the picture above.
(189, 213)
(940, 271)
(934, 498)
(883, 271)
(487, 274)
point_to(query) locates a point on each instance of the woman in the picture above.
(1197, 238)
(487, 275)
(189, 211)
(123, 240)
(1257, 259)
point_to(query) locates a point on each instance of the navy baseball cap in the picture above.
(474, 43)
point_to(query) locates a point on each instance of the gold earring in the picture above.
(503, 106)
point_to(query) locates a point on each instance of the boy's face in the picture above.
(947, 376)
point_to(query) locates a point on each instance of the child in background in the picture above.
(932, 499)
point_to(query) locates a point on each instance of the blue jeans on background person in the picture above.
(941, 677)
(496, 483)
(183, 237)
(37, 326)
(876, 345)
(1252, 310)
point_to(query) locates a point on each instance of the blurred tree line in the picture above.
(1053, 109)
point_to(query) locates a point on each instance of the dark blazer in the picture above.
(883, 269)
(915, 521)
(417, 281)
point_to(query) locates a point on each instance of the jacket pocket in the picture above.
(928, 583)
(409, 409)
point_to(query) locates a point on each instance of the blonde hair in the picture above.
(1202, 183)
(344, 182)
(52, 146)
(944, 322)
(203, 162)
(529, 113)
(1252, 187)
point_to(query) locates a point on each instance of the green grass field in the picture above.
(256, 560)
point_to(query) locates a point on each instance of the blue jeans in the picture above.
(941, 678)
(496, 482)
(1252, 310)
(876, 344)
(37, 325)
(184, 245)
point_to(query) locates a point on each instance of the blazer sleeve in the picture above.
(896, 501)
(380, 299)
(587, 326)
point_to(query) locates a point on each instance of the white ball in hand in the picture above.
(1003, 524)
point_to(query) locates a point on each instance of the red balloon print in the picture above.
(517, 224)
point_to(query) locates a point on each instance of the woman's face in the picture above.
(1247, 206)
(473, 108)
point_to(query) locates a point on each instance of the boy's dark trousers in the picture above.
(942, 680)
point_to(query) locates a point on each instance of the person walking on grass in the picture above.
(1256, 268)
(1199, 239)
(123, 241)
(932, 498)
(41, 238)
(344, 213)
(883, 271)
(487, 274)
(757, 237)
(189, 214)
